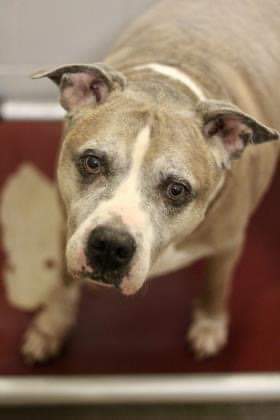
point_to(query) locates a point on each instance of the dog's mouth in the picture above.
(127, 284)
(103, 278)
(122, 283)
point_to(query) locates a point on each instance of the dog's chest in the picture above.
(172, 258)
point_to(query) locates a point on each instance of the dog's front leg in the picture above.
(46, 335)
(209, 328)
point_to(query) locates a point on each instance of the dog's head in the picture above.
(138, 168)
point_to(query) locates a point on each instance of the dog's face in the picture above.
(137, 174)
(132, 183)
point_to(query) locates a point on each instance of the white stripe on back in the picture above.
(175, 74)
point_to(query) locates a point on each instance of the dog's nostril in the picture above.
(122, 252)
(99, 245)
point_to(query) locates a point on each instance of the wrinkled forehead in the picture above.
(111, 129)
(173, 145)
(177, 147)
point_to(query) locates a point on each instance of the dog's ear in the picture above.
(82, 84)
(229, 130)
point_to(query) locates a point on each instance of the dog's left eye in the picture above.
(178, 193)
(176, 190)
(91, 164)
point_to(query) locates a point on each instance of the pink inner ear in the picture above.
(81, 89)
(232, 132)
(231, 136)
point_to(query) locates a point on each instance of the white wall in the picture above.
(39, 33)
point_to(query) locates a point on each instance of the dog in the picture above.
(168, 147)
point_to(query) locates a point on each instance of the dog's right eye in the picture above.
(90, 165)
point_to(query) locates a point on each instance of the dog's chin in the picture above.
(124, 285)
(127, 284)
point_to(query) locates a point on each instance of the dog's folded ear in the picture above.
(82, 84)
(229, 130)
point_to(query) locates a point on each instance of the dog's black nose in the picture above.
(109, 249)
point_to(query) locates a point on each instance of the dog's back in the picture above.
(210, 39)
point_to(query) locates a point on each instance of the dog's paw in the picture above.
(39, 347)
(207, 335)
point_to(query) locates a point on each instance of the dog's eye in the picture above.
(91, 164)
(178, 193)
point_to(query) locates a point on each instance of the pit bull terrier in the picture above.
(167, 150)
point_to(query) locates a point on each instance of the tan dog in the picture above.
(147, 168)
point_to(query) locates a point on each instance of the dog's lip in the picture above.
(128, 289)
(92, 278)
(89, 278)
(91, 281)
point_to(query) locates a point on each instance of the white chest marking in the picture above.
(175, 74)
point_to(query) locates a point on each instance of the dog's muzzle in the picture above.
(109, 252)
